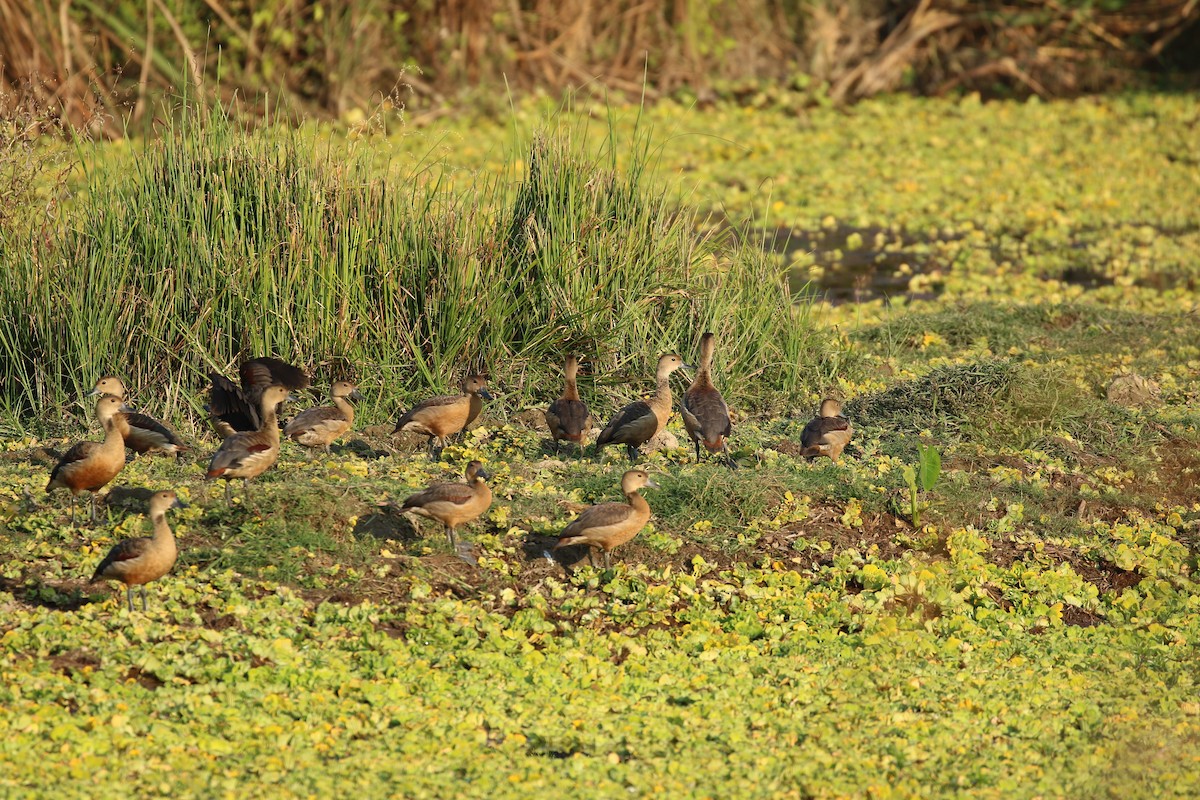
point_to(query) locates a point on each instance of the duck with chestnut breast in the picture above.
(705, 414)
(443, 416)
(88, 466)
(453, 504)
(568, 416)
(233, 409)
(320, 427)
(142, 433)
(607, 525)
(248, 454)
(828, 433)
(136, 562)
(639, 422)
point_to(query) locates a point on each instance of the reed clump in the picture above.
(213, 244)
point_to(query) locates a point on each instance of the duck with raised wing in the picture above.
(443, 416)
(639, 422)
(453, 504)
(136, 562)
(142, 433)
(828, 433)
(233, 409)
(320, 427)
(89, 466)
(607, 525)
(705, 414)
(248, 454)
(568, 416)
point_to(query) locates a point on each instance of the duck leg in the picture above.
(697, 443)
(93, 508)
(450, 536)
(607, 560)
(143, 593)
(129, 597)
(72, 509)
(228, 497)
(591, 556)
(633, 452)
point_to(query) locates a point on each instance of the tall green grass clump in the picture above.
(212, 245)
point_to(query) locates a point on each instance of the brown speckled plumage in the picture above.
(453, 504)
(444, 416)
(608, 525)
(828, 433)
(142, 433)
(320, 427)
(136, 562)
(249, 454)
(705, 414)
(568, 416)
(638, 422)
(89, 466)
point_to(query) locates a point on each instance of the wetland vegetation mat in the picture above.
(778, 630)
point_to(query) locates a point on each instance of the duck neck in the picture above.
(113, 440)
(638, 503)
(704, 373)
(344, 406)
(571, 392)
(162, 531)
(270, 423)
(662, 394)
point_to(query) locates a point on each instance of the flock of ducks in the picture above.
(246, 417)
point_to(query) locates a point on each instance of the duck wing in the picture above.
(124, 550)
(456, 493)
(227, 403)
(818, 427)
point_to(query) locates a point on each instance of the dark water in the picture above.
(858, 264)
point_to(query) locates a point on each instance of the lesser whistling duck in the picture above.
(249, 454)
(235, 409)
(444, 416)
(638, 423)
(705, 414)
(136, 562)
(141, 432)
(828, 433)
(568, 416)
(319, 427)
(608, 525)
(88, 466)
(452, 504)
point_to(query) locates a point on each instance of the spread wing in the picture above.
(124, 550)
(227, 403)
(816, 430)
(259, 373)
(457, 493)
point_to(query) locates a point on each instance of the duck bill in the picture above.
(485, 394)
(357, 397)
(650, 484)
